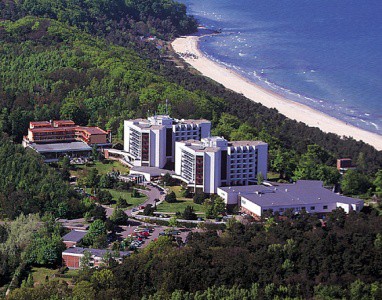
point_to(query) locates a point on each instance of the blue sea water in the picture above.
(324, 53)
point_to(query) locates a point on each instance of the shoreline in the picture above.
(188, 49)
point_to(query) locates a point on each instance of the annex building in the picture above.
(212, 162)
(151, 142)
(71, 257)
(55, 139)
(308, 195)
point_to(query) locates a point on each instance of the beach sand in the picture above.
(187, 48)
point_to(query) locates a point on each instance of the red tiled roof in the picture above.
(92, 130)
(64, 122)
(40, 123)
(52, 129)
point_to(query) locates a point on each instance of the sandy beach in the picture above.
(187, 48)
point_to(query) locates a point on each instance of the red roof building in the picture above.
(66, 131)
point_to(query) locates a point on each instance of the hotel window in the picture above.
(312, 208)
(325, 207)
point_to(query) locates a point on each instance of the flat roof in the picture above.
(153, 171)
(150, 122)
(60, 147)
(74, 236)
(303, 192)
(191, 121)
(246, 143)
(95, 252)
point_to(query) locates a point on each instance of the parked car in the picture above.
(174, 232)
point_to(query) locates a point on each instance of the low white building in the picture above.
(150, 142)
(214, 162)
(308, 195)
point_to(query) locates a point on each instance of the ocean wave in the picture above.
(347, 114)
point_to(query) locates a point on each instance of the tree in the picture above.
(65, 173)
(104, 197)
(84, 290)
(121, 202)
(93, 178)
(358, 291)
(106, 181)
(119, 217)
(98, 213)
(100, 241)
(149, 210)
(96, 230)
(260, 178)
(167, 179)
(378, 183)
(354, 183)
(85, 261)
(283, 162)
(103, 279)
(214, 207)
(28, 283)
(95, 153)
(199, 197)
(173, 222)
(219, 206)
(227, 123)
(170, 198)
(185, 192)
(329, 175)
(188, 213)
(135, 193)
(310, 162)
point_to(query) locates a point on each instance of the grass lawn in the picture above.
(181, 204)
(103, 168)
(127, 196)
(39, 275)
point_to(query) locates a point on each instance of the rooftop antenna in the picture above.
(166, 106)
(148, 113)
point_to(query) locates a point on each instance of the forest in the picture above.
(296, 258)
(90, 61)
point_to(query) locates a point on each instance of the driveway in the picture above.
(152, 193)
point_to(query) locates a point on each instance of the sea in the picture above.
(326, 54)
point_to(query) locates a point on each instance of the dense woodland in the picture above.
(296, 258)
(90, 61)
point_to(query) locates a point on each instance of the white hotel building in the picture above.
(151, 142)
(214, 162)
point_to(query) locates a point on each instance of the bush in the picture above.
(199, 198)
(104, 197)
(186, 193)
(189, 214)
(135, 193)
(170, 198)
(149, 210)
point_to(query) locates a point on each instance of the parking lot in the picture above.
(137, 231)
